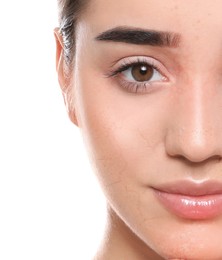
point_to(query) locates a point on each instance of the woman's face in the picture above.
(148, 99)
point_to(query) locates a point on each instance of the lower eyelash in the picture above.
(134, 87)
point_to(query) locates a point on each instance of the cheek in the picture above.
(124, 134)
(123, 131)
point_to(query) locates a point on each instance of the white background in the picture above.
(50, 204)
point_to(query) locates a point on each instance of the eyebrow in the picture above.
(140, 36)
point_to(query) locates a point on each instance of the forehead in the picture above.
(176, 15)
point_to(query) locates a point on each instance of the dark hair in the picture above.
(69, 12)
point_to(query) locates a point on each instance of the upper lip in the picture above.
(191, 188)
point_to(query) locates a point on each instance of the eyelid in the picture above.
(125, 63)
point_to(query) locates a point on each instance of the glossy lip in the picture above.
(191, 200)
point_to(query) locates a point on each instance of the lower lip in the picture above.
(191, 207)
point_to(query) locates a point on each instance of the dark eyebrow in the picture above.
(140, 36)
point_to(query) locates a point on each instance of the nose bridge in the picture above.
(196, 116)
(195, 130)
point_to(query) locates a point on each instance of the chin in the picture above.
(192, 241)
(194, 253)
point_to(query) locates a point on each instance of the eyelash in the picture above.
(136, 87)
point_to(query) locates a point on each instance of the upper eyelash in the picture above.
(128, 64)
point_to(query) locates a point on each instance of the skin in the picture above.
(170, 133)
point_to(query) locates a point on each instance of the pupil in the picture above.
(142, 72)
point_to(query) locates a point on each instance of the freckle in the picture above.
(197, 38)
(176, 7)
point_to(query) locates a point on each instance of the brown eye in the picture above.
(142, 72)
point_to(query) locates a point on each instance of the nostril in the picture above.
(197, 153)
(193, 149)
(191, 160)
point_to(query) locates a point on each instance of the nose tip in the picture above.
(193, 146)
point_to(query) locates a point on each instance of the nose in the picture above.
(195, 127)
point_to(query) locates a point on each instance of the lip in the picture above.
(191, 200)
